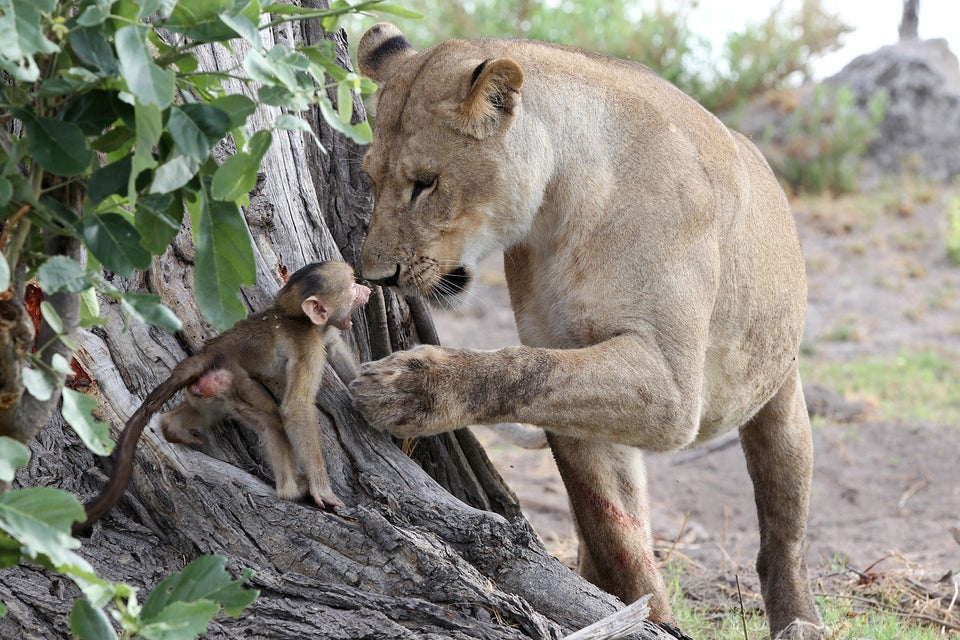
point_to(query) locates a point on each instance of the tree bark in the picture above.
(430, 545)
(910, 21)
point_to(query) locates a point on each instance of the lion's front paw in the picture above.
(410, 393)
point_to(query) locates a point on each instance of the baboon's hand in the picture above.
(415, 393)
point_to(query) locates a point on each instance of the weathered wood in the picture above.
(405, 558)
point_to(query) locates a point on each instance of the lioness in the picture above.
(654, 271)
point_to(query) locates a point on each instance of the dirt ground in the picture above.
(885, 493)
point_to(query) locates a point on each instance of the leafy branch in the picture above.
(107, 134)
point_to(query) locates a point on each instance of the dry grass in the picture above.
(897, 592)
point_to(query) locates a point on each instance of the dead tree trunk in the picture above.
(444, 553)
(910, 21)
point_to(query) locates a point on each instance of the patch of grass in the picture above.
(953, 230)
(854, 611)
(917, 385)
(848, 621)
(843, 333)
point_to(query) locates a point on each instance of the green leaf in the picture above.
(90, 310)
(147, 7)
(21, 37)
(393, 9)
(238, 108)
(236, 177)
(196, 127)
(280, 96)
(146, 307)
(13, 455)
(59, 147)
(60, 213)
(173, 174)
(40, 518)
(359, 133)
(89, 623)
(201, 19)
(187, 135)
(94, 14)
(51, 317)
(149, 127)
(224, 259)
(243, 27)
(61, 273)
(76, 410)
(115, 243)
(148, 82)
(204, 579)
(92, 49)
(6, 191)
(59, 364)
(101, 592)
(344, 103)
(180, 620)
(92, 111)
(68, 341)
(259, 144)
(210, 119)
(112, 179)
(3, 609)
(158, 221)
(280, 66)
(38, 384)
(290, 122)
(117, 138)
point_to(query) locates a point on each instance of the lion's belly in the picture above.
(746, 359)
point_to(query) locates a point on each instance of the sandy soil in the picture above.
(884, 491)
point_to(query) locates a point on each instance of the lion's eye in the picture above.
(422, 184)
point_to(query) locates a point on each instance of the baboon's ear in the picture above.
(381, 50)
(315, 310)
(493, 96)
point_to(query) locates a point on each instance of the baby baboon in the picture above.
(288, 345)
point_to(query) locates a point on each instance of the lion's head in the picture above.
(440, 161)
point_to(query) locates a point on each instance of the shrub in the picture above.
(768, 54)
(821, 144)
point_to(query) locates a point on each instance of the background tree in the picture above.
(98, 115)
(769, 53)
(910, 21)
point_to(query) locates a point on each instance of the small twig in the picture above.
(917, 486)
(683, 527)
(866, 572)
(4, 239)
(11, 223)
(743, 613)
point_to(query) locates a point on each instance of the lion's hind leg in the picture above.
(778, 447)
(607, 487)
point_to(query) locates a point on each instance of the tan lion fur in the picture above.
(654, 270)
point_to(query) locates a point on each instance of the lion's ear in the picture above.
(381, 50)
(494, 95)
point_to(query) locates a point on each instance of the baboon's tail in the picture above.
(183, 374)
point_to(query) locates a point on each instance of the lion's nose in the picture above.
(389, 281)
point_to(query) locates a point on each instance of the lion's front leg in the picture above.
(617, 391)
(607, 487)
(430, 390)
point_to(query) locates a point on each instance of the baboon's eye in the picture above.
(422, 185)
